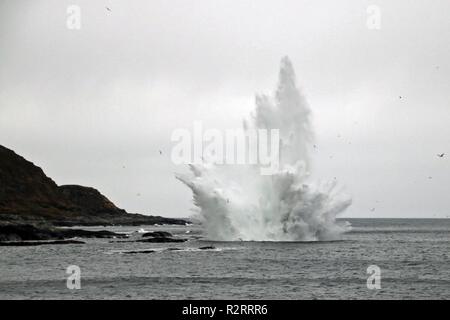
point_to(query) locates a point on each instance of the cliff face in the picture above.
(90, 200)
(25, 190)
(28, 195)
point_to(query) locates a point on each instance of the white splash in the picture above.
(236, 202)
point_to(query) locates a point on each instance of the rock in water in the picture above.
(11, 232)
(38, 243)
(161, 240)
(158, 234)
(207, 248)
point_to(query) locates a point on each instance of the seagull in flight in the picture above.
(441, 155)
(107, 8)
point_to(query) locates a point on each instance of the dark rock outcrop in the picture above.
(158, 234)
(28, 196)
(16, 233)
(159, 237)
(90, 200)
(161, 240)
(79, 233)
(38, 243)
(27, 232)
(139, 251)
(207, 248)
(27, 192)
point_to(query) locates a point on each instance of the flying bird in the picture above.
(441, 155)
(160, 152)
(107, 8)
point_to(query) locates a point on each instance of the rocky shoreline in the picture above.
(29, 235)
(33, 207)
(26, 232)
(38, 243)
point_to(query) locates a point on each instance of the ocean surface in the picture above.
(412, 254)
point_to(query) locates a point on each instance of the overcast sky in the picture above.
(94, 106)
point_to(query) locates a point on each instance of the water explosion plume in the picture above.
(236, 202)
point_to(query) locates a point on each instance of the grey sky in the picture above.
(94, 106)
